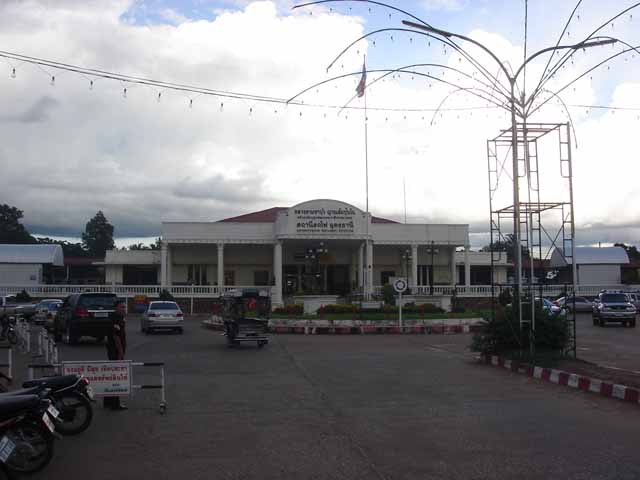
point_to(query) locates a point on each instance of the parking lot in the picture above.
(613, 345)
(345, 407)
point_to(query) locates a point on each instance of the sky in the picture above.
(151, 155)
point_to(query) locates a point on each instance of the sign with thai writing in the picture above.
(325, 218)
(106, 378)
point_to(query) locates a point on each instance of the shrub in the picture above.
(341, 308)
(166, 295)
(23, 296)
(292, 309)
(501, 334)
(388, 295)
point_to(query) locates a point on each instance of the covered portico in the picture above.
(319, 247)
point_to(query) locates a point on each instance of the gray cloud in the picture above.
(38, 112)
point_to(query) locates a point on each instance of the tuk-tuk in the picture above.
(245, 313)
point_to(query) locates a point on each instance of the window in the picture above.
(261, 277)
(197, 274)
(229, 277)
(385, 276)
(164, 306)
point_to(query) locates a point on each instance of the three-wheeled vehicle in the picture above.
(237, 305)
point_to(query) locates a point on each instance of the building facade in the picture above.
(319, 247)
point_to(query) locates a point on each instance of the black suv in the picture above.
(85, 314)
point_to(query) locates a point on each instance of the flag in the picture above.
(363, 81)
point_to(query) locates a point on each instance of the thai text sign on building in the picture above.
(106, 378)
(325, 220)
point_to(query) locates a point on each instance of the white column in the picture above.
(414, 266)
(454, 269)
(163, 265)
(277, 274)
(361, 267)
(369, 269)
(220, 266)
(467, 267)
(169, 266)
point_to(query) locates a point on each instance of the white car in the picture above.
(46, 311)
(162, 315)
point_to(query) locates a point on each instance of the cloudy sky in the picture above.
(156, 155)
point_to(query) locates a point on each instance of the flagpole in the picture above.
(366, 147)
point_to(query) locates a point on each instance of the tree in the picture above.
(138, 246)
(11, 230)
(506, 245)
(632, 251)
(98, 236)
(69, 249)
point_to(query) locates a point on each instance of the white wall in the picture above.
(113, 274)
(20, 274)
(599, 274)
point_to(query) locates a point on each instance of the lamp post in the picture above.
(516, 107)
(406, 257)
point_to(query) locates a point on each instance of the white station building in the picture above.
(319, 247)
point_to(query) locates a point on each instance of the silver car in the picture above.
(162, 315)
(581, 303)
(46, 311)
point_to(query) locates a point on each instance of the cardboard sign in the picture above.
(107, 378)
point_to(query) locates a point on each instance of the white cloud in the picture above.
(68, 151)
(442, 4)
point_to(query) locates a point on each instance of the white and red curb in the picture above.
(313, 328)
(573, 380)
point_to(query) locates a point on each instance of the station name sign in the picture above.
(325, 220)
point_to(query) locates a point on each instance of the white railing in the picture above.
(212, 291)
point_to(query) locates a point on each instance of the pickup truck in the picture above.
(9, 305)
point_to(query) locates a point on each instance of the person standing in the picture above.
(116, 348)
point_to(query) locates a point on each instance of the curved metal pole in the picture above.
(447, 34)
(564, 105)
(565, 60)
(385, 5)
(388, 72)
(586, 73)
(458, 49)
(459, 89)
(404, 70)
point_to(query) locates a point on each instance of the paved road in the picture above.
(346, 407)
(613, 345)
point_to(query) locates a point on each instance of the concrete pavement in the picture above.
(345, 407)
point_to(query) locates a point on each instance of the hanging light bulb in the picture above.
(124, 92)
(53, 80)
(191, 103)
(250, 111)
(13, 73)
(159, 96)
(90, 84)
(221, 106)
(374, 43)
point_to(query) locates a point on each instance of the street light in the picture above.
(406, 256)
(514, 102)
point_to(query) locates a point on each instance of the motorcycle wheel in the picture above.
(76, 413)
(34, 448)
(12, 337)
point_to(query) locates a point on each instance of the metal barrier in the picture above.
(8, 365)
(97, 370)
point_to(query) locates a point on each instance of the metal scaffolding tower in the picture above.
(543, 225)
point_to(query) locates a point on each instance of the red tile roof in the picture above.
(270, 214)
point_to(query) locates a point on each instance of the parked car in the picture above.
(10, 306)
(581, 304)
(635, 299)
(162, 315)
(613, 307)
(85, 314)
(46, 310)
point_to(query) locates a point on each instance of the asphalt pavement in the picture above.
(345, 407)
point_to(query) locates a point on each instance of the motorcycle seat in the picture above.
(54, 383)
(24, 391)
(12, 405)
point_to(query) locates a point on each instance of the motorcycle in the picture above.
(9, 331)
(26, 432)
(72, 397)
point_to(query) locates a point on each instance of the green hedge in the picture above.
(501, 334)
(294, 310)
